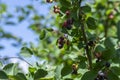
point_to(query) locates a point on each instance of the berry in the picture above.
(69, 27)
(60, 46)
(111, 15)
(65, 24)
(56, 10)
(67, 13)
(60, 42)
(74, 69)
(107, 64)
(55, 7)
(49, 1)
(70, 21)
(91, 43)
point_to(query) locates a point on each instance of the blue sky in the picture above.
(20, 30)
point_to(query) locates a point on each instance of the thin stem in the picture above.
(86, 47)
(18, 58)
(106, 28)
(85, 39)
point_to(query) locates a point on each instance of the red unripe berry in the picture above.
(67, 13)
(65, 24)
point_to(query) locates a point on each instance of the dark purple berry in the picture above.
(91, 43)
(70, 21)
(69, 27)
(107, 64)
(60, 46)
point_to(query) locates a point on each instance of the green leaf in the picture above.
(67, 69)
(42, 34)
(9, 68)
(82, 65)
(21, 18)
(99, 48)
(116, 56)
(115, 70)
(90, 75)
(40, 73)
(21, 76)
(109, 43)
(58, 72)
(112, 76)
(26, 52)
(91, 23)
(32, 70)
(108, 54)
(65, 3)
(86, 9)
(118, 30)
(3, 75)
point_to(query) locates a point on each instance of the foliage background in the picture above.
(101, 25)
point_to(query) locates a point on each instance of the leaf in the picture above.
(67, 69)
(65, 3)
(26, 52)
(99, 48)
(10, 23)
(86, 9)
(58, 72)
(21, 76)
(3, 75)
(21, 18)
(9, 68)
(112, 76)
(91, 23)
(82, 65)
(118, 30)
(90, 75)
(115, 70)
(40, 73)
(116, 56)
(109, 43)
(32, 70)
(42, 34)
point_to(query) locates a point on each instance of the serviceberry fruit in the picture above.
(74, 69)
(49, 1)
(67, 13)
(107, 64)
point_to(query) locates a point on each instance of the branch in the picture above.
(85, 39)
(18, 58)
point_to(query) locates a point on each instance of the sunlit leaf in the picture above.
(26, 52)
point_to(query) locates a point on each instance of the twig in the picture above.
(85, 39)
(17, 58)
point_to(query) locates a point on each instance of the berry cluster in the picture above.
(61, 41)
(101, 76)
(68, 24)
(56, 9)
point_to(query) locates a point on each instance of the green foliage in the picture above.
(76, 43)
